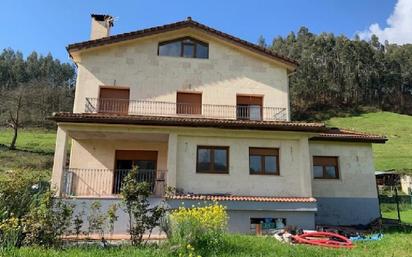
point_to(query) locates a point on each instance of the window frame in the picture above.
(262, 160)
(324, 176)
(182, 44)
(212, 159)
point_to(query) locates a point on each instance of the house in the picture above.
(207, 114)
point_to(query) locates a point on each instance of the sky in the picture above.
(50, 25)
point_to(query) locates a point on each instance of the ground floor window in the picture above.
(265, 226)
(325, 167)
(263, 161)
(212, 159)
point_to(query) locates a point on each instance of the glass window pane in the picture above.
(188, 50)
(318, 171)
(331, 172)
(220, 159)
(170, 49)
(255, 164)
(202, 51)
(203, 159)
(255, 112)
(270, 164)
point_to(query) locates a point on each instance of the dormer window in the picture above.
(184, 47)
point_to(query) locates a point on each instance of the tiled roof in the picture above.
(242, 198)
(350, 136)
(187, 122)
(325, 133)
(189, 23)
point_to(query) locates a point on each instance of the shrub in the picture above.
(198, 228)
(142, 217)
(96, 219)
(28, 213)
(47, 221)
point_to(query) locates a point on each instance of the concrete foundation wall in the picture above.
(239, 221)
(121, 226)
(346, 211)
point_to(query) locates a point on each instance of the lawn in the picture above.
(406, 215)
(397, 152)
(35, 149)
(393, 244)
(33, 140)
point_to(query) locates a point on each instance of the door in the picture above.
(126, 160)
(189, 103)
(249, 107)
(114, 100)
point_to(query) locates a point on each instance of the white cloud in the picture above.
(399, 25)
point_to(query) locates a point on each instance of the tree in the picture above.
(14, 104)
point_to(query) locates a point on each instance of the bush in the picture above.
(199, 229)
(142, 217)
(29, 215)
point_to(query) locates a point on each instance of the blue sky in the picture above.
(50, 25)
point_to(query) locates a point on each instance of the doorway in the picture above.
(144, 161)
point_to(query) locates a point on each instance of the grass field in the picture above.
(35, 149)
(406, 215)
(393, 244)
(397, 152)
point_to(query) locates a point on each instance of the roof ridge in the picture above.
(176, 25)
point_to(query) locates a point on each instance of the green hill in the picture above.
(397, 152)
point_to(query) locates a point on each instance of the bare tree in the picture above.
(13, 104)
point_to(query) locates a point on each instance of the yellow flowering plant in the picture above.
(199, 227)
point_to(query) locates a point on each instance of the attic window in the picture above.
(184, 47)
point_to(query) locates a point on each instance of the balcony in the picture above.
(158, 108)
(107, 182)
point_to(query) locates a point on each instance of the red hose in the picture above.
(326, 239)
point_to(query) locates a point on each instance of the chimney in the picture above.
(101, 24)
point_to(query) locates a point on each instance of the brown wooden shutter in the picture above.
(189, 103)
(249, 100)
(114, 100)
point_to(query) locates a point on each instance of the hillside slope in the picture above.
(397, 152)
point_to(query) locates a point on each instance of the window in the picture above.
(325, 167)
(113, 100)
(184, 47)
(189, 103)
(212, 159)
(266, 226)
(249, 107)
(263, 161)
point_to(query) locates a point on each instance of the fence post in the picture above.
(397, 204)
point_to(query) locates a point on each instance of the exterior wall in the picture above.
(228, 71)
(121, 226)
(406, 184)
(239, 221)
(292, 180)
(99, 155)
(351, 199)
(301, 215)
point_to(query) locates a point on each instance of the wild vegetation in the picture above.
(397, 152)
(338, 74)
(31, 89)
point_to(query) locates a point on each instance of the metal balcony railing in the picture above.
(103, 182)
(158, 108)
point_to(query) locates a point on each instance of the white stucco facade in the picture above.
(229, 71)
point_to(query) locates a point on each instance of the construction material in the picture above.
(325, 239)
